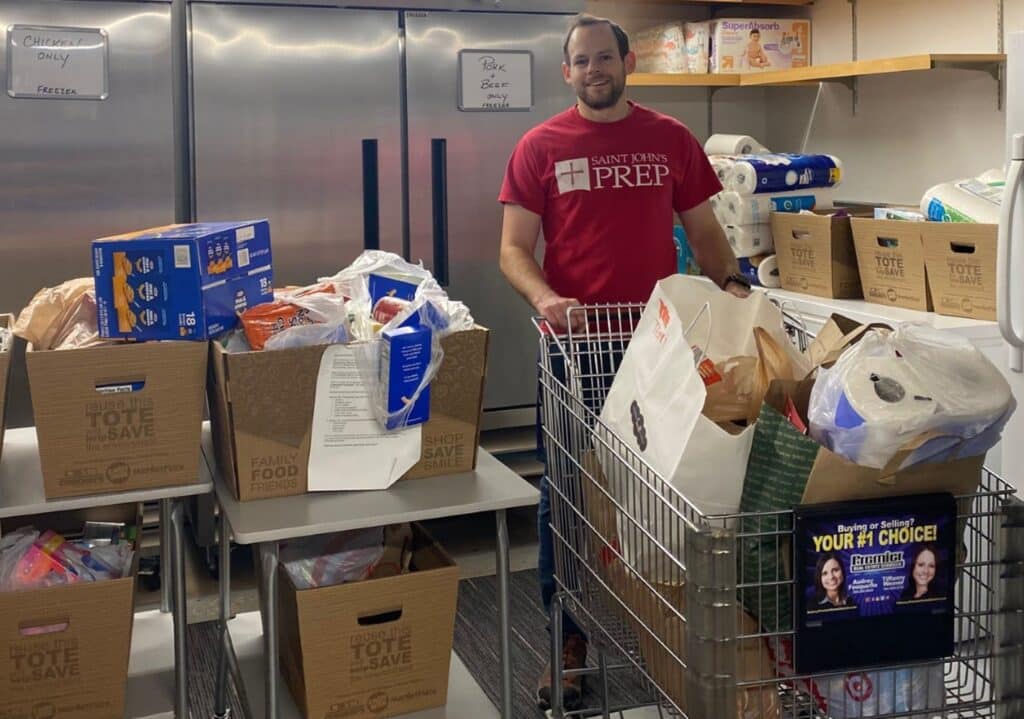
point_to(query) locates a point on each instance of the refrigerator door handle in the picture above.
(1004, 258)
(371, 196)
(439, 181)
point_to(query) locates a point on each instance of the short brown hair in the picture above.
(585, 20)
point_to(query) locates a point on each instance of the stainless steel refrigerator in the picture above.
(77, 167)
(351, 129)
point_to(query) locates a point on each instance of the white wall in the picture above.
(911, 130)
(735, 110)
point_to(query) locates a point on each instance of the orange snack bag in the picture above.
(264, 321)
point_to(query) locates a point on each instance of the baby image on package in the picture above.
(758, 45)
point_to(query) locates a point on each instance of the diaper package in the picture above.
(917, 391)
(698, 46)
(661, 49)
(757, 45)
(181, 281)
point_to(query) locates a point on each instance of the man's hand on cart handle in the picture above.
(555, 309)
(735, 288)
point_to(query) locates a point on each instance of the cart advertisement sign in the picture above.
(875, 573)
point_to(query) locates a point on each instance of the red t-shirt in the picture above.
(607, 194)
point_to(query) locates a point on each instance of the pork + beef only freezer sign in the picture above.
(64, 63)
(495, 80)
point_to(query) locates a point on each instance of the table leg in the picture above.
(504, 620)
(269, 561)
(180, 610)
(165, 555)
(220, 701)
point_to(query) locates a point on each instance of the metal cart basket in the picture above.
(700, 607)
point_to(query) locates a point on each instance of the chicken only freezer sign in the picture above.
(495, 80)
(61, 63)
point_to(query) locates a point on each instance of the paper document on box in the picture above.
(349, 449)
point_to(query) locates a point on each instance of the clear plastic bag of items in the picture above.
(329, 559)
(298, 317)
(399, 315)
(918, 392)
(30, 560)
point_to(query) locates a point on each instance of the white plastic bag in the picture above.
(430, 308)
(353, 282)
(917, 391)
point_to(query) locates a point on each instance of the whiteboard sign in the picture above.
(61, 63)
(495, 80)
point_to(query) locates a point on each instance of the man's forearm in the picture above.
(715, 256)
(524, 274)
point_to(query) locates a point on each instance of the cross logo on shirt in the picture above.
(573, 175)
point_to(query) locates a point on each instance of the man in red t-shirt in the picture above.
(604, 180)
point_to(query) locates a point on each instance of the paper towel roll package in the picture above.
(963, 201)
(739, 209)
(768, 272)
(750, 240)
(892, 390)
(995, 176)
(761, 270)
(758, 174)
(719, 144)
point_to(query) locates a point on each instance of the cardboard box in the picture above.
(816, 254)
(890, 256)
(5, 373)
(181, 281)
(118, 418)
(661, 48)
(262, 425)
(64, 650)
(961, 262)
(374, 648)
(760, 44)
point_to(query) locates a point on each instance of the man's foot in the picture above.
(574, 656)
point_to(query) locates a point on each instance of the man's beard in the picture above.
(615, 92)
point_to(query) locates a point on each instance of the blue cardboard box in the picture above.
(404, 359)
(181, 281)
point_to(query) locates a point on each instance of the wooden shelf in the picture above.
(720, 2)
(884, 66)
(682, 79)
(838, 72)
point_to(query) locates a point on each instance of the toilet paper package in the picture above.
(698, 46)
(719, 144)
(722, 165)
(759, 44)
(914, 395)
(750, 240)
(739, 209)
(780, 172)
(875, 694)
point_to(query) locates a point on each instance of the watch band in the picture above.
(738, 279)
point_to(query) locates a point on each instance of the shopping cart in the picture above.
(679, 599)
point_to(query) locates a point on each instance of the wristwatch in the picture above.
(738, 279)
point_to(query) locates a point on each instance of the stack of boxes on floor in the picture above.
(117, 368)
(757, 183)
